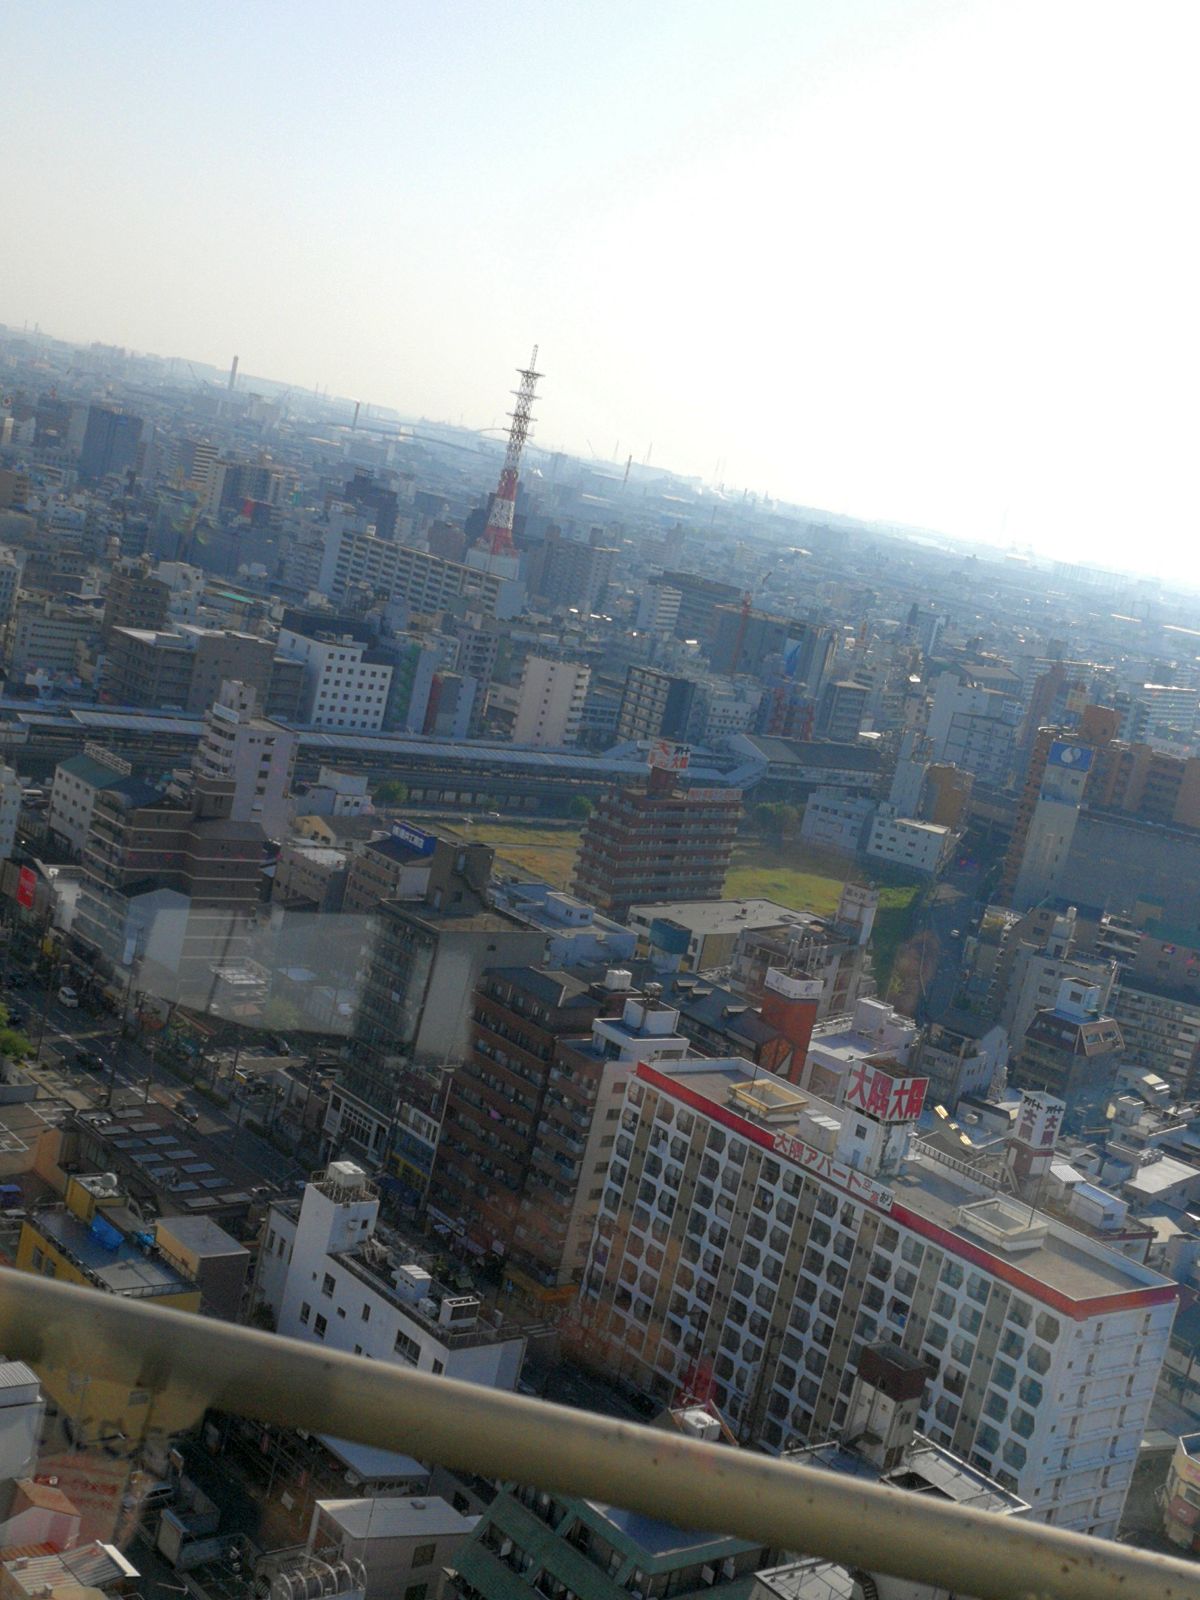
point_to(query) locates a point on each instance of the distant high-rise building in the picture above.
(550, 702)
(135, 598)
(695, 610)
(110, 442)
(257, 756)
(346, 683)
(572, 573)
(973, 726)
(655, 705)
(380, 504)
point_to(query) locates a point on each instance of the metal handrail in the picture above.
(679, 1480)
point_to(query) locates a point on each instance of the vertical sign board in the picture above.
(884, 1095)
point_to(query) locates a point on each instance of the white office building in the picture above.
(328, 1276)
(919, 847)
(346, 684)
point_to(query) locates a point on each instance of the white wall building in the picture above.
(919, 846)
(402, 1541)
(836, 820)
(658, 608)
(973, 728)
(327, 1277)
(550, 702)
(258, 756)
(77, 782)
(346, 685)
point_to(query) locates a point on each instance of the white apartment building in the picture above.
(346, 685)
(10, 810)
(354, 555)
(753, 1238)
(550, 702)
(973, 728)
(836, 820)
(256, 755)
(905, 842)
(326, 1276)
(77, 782)
(658, 608)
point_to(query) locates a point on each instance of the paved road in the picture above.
(946, 920)
(136, 1076)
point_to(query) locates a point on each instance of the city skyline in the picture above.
(893, 266)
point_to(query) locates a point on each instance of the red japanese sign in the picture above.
(26, 885)
(880, 1094)
(668, 756)
(822, 1165)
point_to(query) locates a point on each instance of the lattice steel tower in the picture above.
(498, 534)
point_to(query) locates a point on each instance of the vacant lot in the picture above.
(807, 881)
(800, 879)
(542, 850)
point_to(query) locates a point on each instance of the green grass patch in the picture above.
(811, 880)
(532, 850)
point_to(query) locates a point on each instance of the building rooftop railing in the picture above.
(484, 1431)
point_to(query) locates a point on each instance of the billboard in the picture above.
(26, 887)
(415, 838)
(884, 1095)
(668, 756)
(1077, 756)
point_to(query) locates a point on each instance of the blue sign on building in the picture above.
(416, 838)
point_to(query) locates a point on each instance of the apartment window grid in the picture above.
(996, 1405)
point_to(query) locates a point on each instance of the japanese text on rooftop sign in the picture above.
(668, 756)
(823, 1165)
(1039, 1121)
(415, 838)
(880, 1095)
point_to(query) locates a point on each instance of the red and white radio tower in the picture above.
(498, 533)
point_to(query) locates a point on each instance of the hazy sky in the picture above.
(930, 261)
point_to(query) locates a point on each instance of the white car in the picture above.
(67, 997)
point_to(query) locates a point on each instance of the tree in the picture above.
(391, 792)
(13, 1042)
(580, 807)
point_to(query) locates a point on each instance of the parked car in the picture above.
(67, 997)
(188, 1113)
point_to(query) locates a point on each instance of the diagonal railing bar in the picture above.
(506, 1436)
